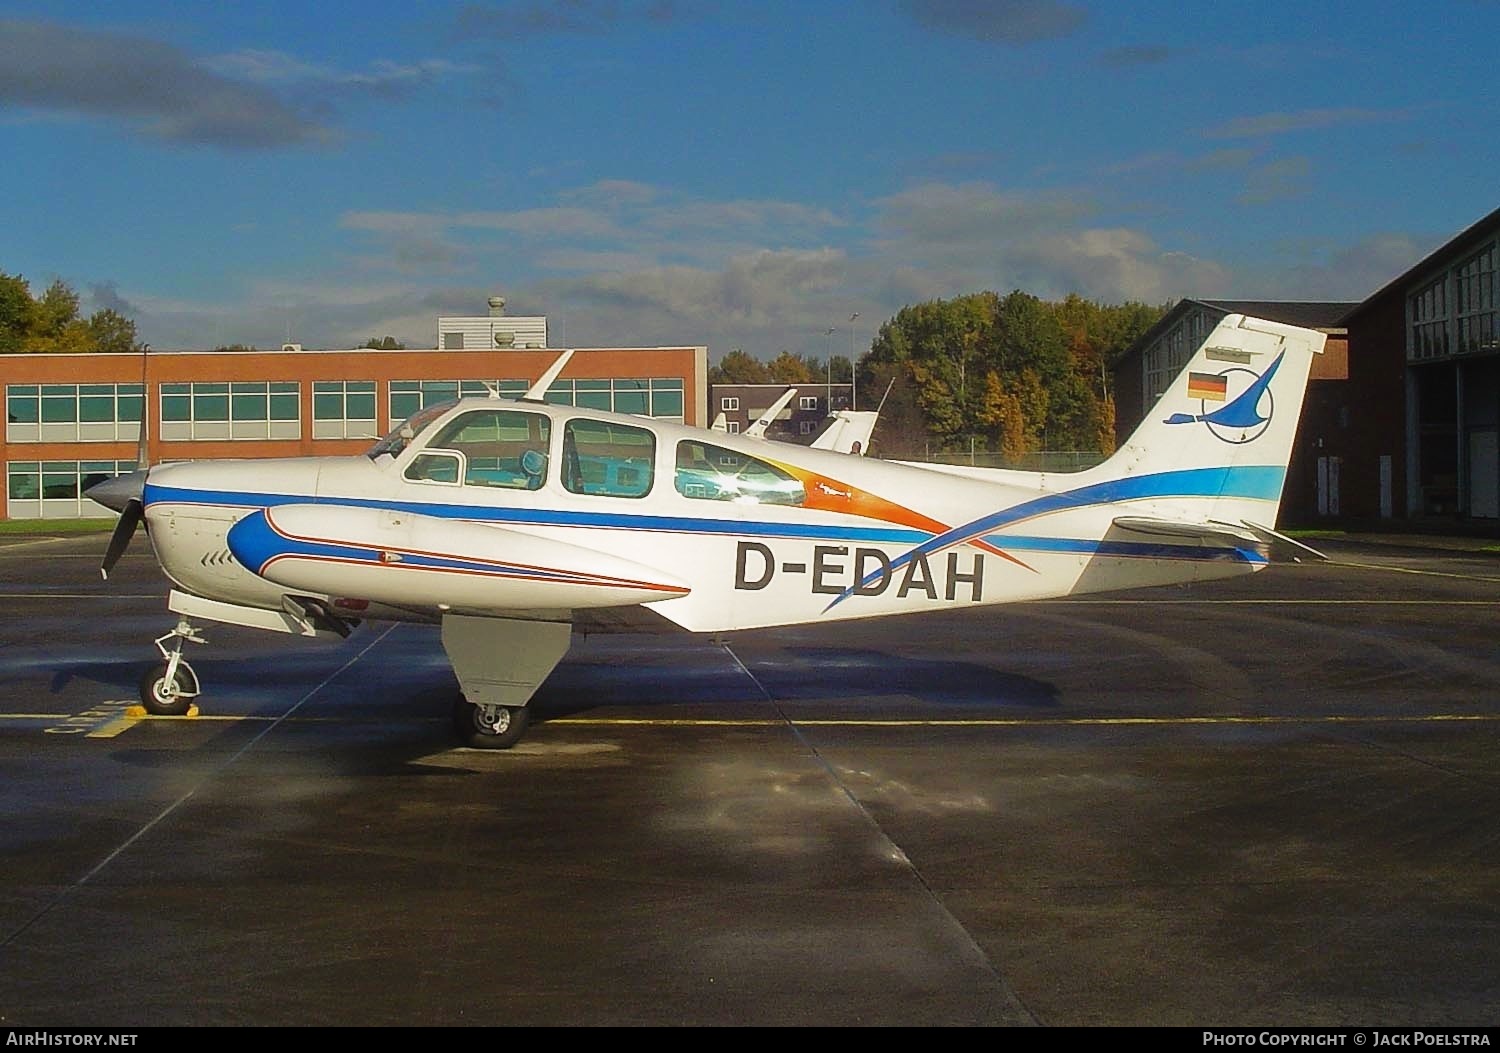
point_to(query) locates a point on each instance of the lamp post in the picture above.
(828, 353)
(853, 391)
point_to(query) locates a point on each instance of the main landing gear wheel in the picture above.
(489, 727)
(168, 696)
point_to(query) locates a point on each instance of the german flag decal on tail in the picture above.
(1209, 387)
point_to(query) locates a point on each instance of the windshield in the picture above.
(402, 435)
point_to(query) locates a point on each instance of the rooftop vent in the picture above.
(497, 306)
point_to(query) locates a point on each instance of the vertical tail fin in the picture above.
(1217, 443)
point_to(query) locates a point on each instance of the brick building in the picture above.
(74, 419)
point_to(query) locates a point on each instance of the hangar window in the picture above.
(501, 447)
(608, 459)
(1428, 311)
(712, 473)
(1475, 302)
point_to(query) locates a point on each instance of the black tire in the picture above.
(164, 699)
(478, 733)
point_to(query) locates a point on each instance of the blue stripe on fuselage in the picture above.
(1262, 482)
(545, 517)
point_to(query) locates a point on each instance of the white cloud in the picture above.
(1280, 123)
(1001, 21)
(149, 86)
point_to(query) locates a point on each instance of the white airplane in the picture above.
(508, 523)
(848, 431)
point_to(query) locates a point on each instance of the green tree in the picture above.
(50, 323)
(55, 311)
(787, 368)
(737, 367)
(384, 343)
(1017, 371)
(16, 310)
(112, 332)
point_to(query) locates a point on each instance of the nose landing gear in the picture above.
(169, 687)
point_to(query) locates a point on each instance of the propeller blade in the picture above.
(119, 541)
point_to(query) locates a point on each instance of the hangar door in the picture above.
(1484, 474)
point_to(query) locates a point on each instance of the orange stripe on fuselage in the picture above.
(831, 495)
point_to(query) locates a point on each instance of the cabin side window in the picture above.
(500, 447)
(608, 459)
(712, 473)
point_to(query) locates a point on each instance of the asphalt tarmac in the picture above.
(1262, 802)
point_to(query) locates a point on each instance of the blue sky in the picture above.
(733, 174)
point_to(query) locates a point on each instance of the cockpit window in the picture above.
(613, 460)
(500, 447)
(712, 473)
(402, 435)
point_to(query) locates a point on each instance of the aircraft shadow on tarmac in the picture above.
(840, 673)
(841, 676)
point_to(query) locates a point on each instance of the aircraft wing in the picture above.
(848, 431)
(757, 430)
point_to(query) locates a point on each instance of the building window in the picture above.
(409, 396)
(55, 489)
(72, 412)
(807, 402)
(807, 427)
(659, 397)
(453, 341)
(728, 403)
(1474, 303)
(1428, 311)
(260, 410)
(733, 426)
(608, 459)
(344, 409)
(667, 399)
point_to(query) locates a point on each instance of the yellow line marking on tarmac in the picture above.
(1414, 570)
(80, 595)
(1019, 722)
(1259, 603)
(110, 729)
(135, 715)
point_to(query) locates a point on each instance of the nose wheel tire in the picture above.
(168, 697)
(489, 728)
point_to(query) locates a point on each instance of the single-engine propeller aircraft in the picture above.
(508, 523)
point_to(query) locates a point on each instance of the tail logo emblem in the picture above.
(1236, 405)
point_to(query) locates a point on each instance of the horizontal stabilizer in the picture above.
(1277, 540)
(1242, 534)
(1210, 533)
